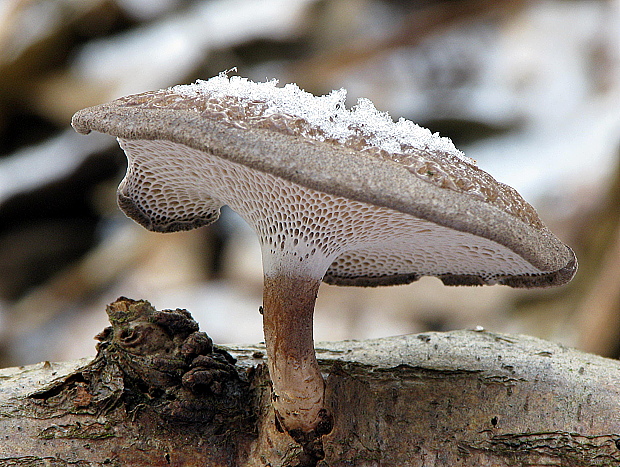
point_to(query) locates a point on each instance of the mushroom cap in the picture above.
(359, 159)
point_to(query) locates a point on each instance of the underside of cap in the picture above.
(308, 233)
(166, 195)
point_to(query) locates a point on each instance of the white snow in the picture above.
(328, 113)
(30, 167)
(166, 51)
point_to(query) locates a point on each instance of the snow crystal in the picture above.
(329, 114)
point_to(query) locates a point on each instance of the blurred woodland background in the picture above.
(530, 89)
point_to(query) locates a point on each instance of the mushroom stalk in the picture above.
(298, 387)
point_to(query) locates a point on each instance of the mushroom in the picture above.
(348, 197)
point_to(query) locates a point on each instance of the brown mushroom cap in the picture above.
(326, 189)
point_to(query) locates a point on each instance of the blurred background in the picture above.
(530, 89)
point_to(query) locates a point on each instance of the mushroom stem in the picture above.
(298, 387)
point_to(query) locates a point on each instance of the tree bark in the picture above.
(160, 394)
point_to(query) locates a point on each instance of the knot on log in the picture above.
(168, 365)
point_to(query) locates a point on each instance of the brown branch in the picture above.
(415, 27)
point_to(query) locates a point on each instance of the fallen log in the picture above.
(159, 393)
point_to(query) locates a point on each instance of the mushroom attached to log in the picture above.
(348, 197)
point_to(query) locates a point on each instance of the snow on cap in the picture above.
(326, 113)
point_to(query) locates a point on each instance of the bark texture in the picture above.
(160, 394)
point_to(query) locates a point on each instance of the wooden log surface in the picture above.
(158, 394)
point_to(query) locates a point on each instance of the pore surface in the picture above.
(305, 231)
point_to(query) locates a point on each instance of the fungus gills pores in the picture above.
(343, 196)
